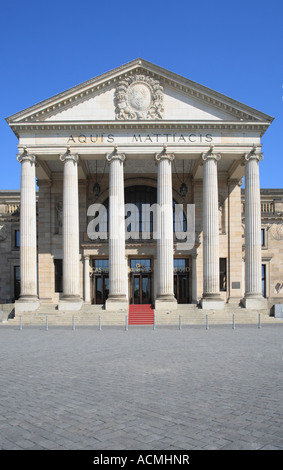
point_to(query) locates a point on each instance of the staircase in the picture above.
(141, 314)
(94, 315)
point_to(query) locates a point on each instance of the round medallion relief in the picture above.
(139, 96)
(3, 232)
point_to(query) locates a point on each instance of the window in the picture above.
(263, 280)
(100, 266)
(17, 239)
(223, 274)
(139, 222)
(142, 221)
(263, 238)
(142, 197)
(58, 271)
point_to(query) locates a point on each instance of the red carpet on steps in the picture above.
(141, 314)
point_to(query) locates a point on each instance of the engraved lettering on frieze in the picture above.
(139, 97)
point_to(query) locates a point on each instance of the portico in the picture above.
(140, 130)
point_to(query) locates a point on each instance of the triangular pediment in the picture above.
(138, 91)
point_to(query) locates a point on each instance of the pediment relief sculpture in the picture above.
(139, 97)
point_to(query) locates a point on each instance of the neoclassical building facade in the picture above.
(139, 199)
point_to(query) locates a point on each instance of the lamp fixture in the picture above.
(183, 187)
(96, 186)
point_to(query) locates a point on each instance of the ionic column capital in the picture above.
(67, 156)
(210, 154)
(115, 155)
(164, 155)
(253, 155)
(26, 156)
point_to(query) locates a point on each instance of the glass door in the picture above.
(141, 289)
(181, 280)
(100, 284)
(140, 280)
(137, 290)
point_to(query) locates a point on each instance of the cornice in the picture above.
(250, 126)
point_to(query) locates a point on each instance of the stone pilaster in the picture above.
(253, 294)
(211, 295)
(28, 246)
(71, 272)
(165, 254)
(117, 298)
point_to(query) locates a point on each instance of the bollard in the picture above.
(73, 323)
(21, 322)
(180, 322)
(46, 325)
(126, 323)
(259, 321)
(99, 322)
(154, 322)
(207, 322)
(233, 321)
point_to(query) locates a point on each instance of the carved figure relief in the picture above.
(3, 232)
(276, 231)
(139, 97)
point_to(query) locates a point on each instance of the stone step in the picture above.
(197, 317)
(93, 314)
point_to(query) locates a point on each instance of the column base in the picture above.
(26, 304)
(117, 303)
(165, 302)
(212, 302)
(255, 302)
(70, 303)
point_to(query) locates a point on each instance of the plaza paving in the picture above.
(140, 389)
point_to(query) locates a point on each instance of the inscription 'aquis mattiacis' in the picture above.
(139, 138)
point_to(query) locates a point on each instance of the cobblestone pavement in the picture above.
(141, 389)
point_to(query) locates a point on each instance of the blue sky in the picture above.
(234, 48)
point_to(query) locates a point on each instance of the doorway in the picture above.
(100, 281)
(181, 280)
(140, 281)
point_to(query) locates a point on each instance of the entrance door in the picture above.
(140, 281)
(181, 280)
(101, 289)
(100, 283)
(141, 289)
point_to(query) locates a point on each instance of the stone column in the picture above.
(253, 294)
(211, 295)
(86, 280)
(71, 272)
(165, 250)
(117, 298)
(28, 245)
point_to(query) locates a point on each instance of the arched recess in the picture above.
(140, 191)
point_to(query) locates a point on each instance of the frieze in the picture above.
(142, 138)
